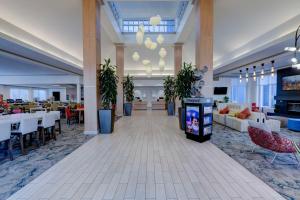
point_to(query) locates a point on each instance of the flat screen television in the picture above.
(291, 83)
(220, 90)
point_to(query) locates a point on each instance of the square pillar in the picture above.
(91, 61)
(177, 57)
(204, 41)
(120, 74)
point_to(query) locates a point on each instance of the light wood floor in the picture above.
(147, 157)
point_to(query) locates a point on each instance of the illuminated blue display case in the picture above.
(198, 118)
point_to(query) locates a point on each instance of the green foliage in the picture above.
(108, 81)
(226, 99)
(184, 81)
(128, 88)
(169, 89)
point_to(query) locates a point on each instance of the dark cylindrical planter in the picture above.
(171, 108)
(105, 121)
(181, 118)
(127, 109)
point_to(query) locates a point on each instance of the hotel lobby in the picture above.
(148, 99)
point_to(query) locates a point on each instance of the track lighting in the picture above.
(247, 75)
(254, 73)
(272, 68)
(262, 73)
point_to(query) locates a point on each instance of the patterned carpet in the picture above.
(283, 175)
(17, 173)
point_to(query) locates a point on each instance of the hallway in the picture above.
(147, 157)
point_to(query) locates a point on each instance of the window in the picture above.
(267, 91)
(39, 95)
(165, 26)
(18, 93)
(238, 91)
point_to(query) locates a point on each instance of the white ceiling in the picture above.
(241, 26)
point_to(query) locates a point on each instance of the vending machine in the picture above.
(198, 118)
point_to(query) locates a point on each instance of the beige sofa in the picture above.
(241, 125)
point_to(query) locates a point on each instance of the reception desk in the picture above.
(140, 105)
(159, 105)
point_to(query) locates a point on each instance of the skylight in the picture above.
(165, 26)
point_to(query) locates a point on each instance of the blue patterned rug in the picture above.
(17, 173)
(283, 175)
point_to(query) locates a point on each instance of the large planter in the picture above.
(127, 109)
(171, 108)
(106, 120)
(181, 118)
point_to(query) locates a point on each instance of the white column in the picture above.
(78, 93)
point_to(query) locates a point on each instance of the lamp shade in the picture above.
(148, 42)
(153, 45)
(139, 37)
(146, 62)
(155, 20)
(135, 56)
(161, 64)
(162, 52)
(142, 28)
(160, 39)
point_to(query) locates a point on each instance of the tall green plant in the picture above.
(128, 87)
(184, 80)
(108, 83)
(169, 89)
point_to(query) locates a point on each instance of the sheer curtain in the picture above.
(40, 95)
(267, 91)
(238, 91)
(19, 93)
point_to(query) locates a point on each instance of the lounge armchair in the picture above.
(272, 141)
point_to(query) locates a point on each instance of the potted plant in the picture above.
(128, 88)
(108, 90)
(183, 83)
(170, 95)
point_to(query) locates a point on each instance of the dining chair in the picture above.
(47, 125)
(28, 125)
(5, 132)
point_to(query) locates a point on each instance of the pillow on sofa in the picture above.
(233, 113)
(224, 110)
(244, 114)
(261, 126)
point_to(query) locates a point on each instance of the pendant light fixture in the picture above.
(135, 56)
(155, 20)
(262, 73)
(254, 73)
(247, 75)
(160, 39)
(162, 52)
(241, 76)
(294, 49)
(272, 68)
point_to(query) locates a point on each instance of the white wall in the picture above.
(108, 49)
(149, 93)
(222, 82)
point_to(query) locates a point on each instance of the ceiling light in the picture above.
(155, 20)
(161, 64)
(139, 37)
(294, 60)
(262, 71)
(146, 62)
(135, 56)
(241, 76)
(162, 52)
(254, 73)
(296, 66)
(153, 45)
(148, 43)
(247, 75)
(272, 68)
(290, 49)
(160, 39)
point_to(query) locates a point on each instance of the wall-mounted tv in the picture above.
(220, 90)
(291, 83)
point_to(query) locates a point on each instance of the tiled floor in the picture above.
(147, 157)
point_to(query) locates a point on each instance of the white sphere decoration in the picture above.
(139, 37)
(142, 28)
(155, 20)
(146, 62)
(148, 42)
(162, 52)
(135, 56)
(153, 45)
(160, 39)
